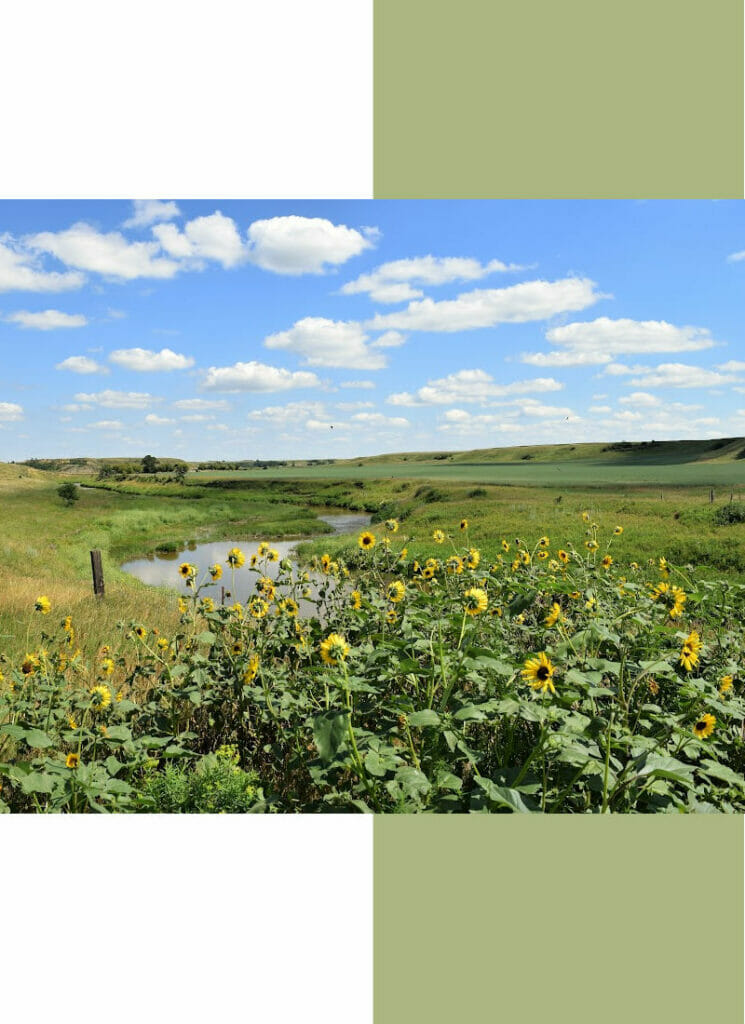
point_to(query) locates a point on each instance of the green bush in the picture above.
(215, 785)
(726, 515)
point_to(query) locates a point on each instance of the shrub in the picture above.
(726, 515)
(215, 785)
(69, 493)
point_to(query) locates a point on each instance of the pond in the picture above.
(161, 568)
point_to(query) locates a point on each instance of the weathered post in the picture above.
(222, 595)
(711, 496)
(97, 570)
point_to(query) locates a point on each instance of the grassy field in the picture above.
(421, 702)
(44, 547)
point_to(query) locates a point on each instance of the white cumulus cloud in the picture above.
(395, 281)
(389, 339)
(671, 375)
(323, 342)
(20, 271)
(487, 307)
(110, 254)
(303, 245)
(596, 342)
(10, 412)
(144, 360)
(199, 404)
(255, 376)
(157, 421)
(149, 211)
(117, 399)
(471, 386)
(47, 320)
(214, 237)
(81, 364)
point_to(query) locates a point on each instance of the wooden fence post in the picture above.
(97, 569)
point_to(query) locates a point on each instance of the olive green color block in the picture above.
(546, 99)
(579, 919)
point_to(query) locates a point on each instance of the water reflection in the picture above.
(160, 568)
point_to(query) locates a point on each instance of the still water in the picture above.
(161, 569)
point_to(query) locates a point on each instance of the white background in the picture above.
(158, 919)
(186, 99)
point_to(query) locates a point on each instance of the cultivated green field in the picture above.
(580, 474)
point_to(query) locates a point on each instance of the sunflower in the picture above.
(272, 555)
(543, 542)
(554, 614)
(690, 651)
(464, 524)
(253, 560)
(475, 601)
(607, 562)
(591, 545)
(252, 669)
(525, 557)
(43, 605)
(67, 624)
(725, 685)
(391, 525)
(183, 607)
(216, 571)
(428, 572)
(591, 603)
(396, 591)
(664, 568)
(679, 597)
(265, 587)
(563, 556)
(140, 632)
(334, 649)
(263, 548)
(208, 605)
(163, 643)
(391, 616)
(355, 600)
(704, 726)
(101, 697)
(72, 760)
(258, 607)
(454, 565)
(438, 537)
(366, 541)
(290, 606)
(187, 571)
(235, 558)
(236, 647)
(29, 664)
(326, 562)
(543, 554)
(585, 517)
(473, 558)
(538, 673)
(618, 531)
(505, 545)
(107, 666)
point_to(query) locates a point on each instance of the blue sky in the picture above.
(295, 329)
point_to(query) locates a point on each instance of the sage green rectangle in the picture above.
(546, 99)
(577, 919)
